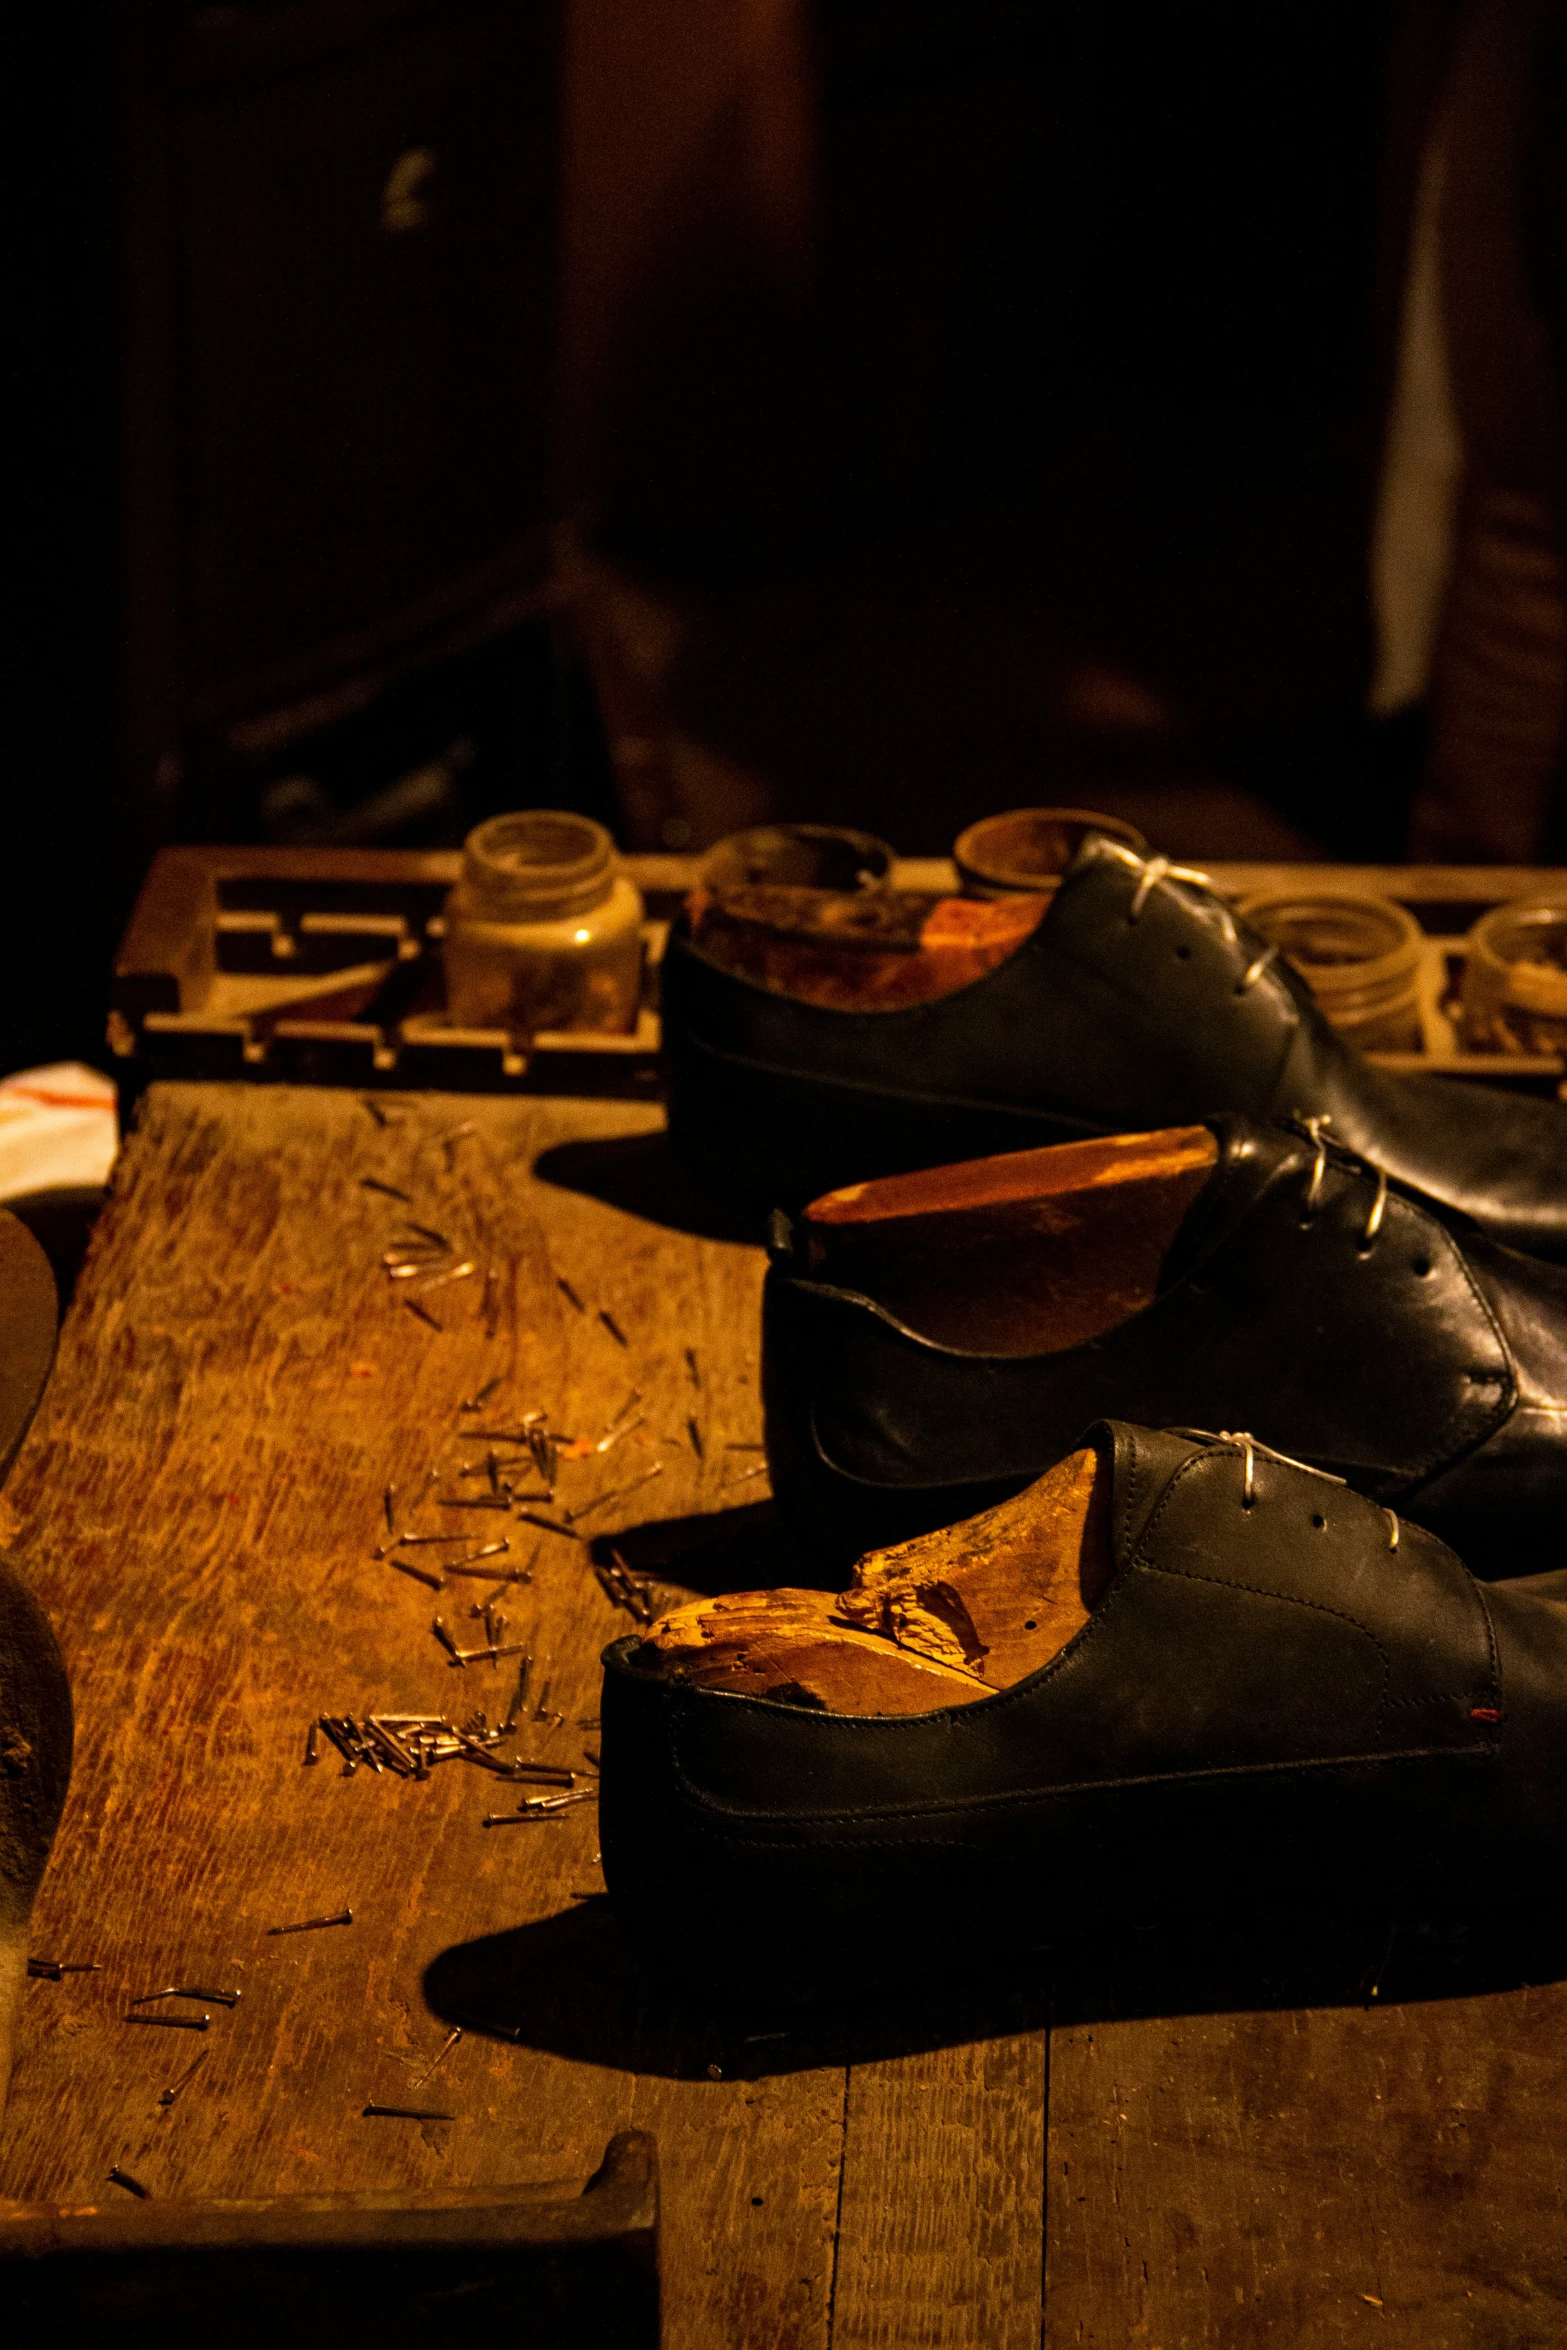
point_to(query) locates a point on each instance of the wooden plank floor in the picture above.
(198, 1502)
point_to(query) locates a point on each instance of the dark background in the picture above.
(929, 409)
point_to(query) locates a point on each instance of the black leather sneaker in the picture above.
(1139, 1001)
(1269, 1703)
(1342, 1319)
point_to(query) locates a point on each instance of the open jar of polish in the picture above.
(543, 930)
(1515, 978)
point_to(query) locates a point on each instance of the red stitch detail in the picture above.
(1484, 1713)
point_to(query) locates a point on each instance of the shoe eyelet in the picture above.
(1318, 1520)
(1420, 1267)
(1183, 954)
(1031, 1625)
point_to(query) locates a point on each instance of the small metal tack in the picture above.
(477, 1656)
(550, 1525)
(187, 1991)
(344, 1917)
(172, 2023)
(518, 1696)
(613, 1327)
(187, 2076)
(387, 1499)
(374, 1183)
(617, 1493)
(122, 2178)
(541, 1710)
(423, 1312)
(695, 1434)
(448, 2044)
(419, 1574)
(744, 1477)
(451, 1273)
(567, 1292)
(476, 1400)
(514, 1819)
(444, 1637)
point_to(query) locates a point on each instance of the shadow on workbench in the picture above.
(566, 1984)
(642, 1174)
(748, 1548)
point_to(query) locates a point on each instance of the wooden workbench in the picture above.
(1166, 2146)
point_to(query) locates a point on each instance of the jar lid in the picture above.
(537, 864)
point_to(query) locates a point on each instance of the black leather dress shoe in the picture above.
(1139, 1001)
(1266, 1704)
(1345, 1321)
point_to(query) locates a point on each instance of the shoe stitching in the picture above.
(1157, 872)
(1490, 1634)
(1439, 1456)
(707, 1815)
(1290, 1599)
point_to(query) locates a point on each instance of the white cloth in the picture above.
(59, 1128)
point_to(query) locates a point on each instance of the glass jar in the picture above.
(1515, 979)
(1359, 956)
(798, 856)
(543, 929)
(1028, 849)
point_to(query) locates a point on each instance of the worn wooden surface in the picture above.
(198, 1501)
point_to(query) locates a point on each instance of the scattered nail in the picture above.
(423, 1312)
(566, 1290)
(122, 2178)
(613, 1327)
(373, 1183)
(344, 1917)
(168, 2095)
(419, 1574)
(617, 1493)
(450, 2042)
(172, 2023)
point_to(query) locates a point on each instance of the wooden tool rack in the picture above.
(1311, 2137)
(320, 967)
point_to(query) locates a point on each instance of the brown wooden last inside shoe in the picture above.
(1028, 1253)
(944, 1620)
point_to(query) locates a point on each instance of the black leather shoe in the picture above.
(1138, 1002)
(1345, 1321)
(1266, 1704)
